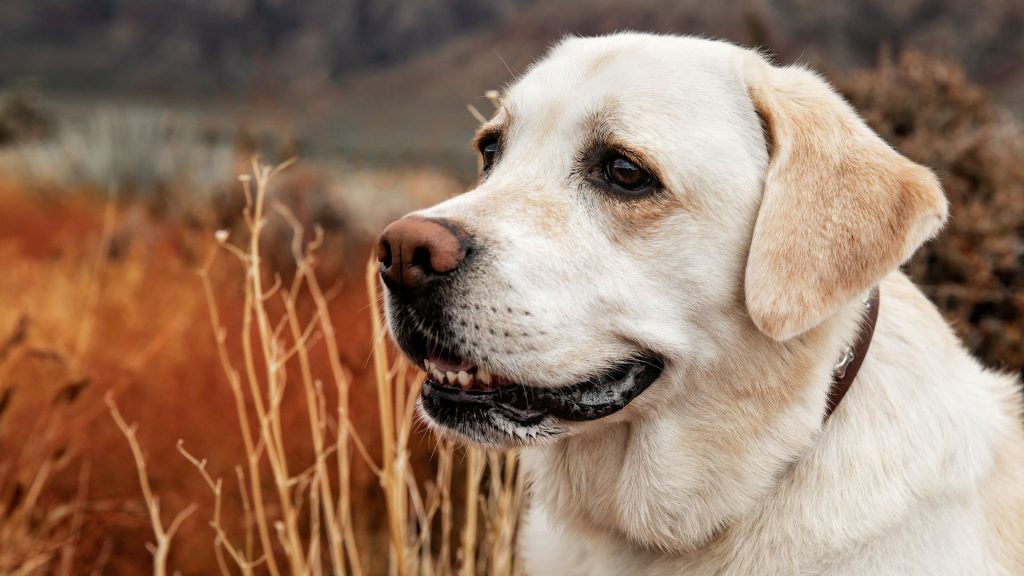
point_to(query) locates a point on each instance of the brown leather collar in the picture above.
(853, 356)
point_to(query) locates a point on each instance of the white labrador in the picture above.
(648, 290)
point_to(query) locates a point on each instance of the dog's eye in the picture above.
(488, 151)
(626, 174)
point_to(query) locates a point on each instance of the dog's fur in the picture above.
(781, 208)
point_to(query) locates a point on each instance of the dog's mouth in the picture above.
(458, 392)
(596, 397)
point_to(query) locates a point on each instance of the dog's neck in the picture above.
(689, 497)
(853, 354)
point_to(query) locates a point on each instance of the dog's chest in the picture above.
(585, 501)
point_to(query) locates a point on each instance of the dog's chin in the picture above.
(489, 429)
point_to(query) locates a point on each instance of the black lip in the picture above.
(415, 343)
(595, 398)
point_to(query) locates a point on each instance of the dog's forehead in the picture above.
(682, 103)
(630, 76)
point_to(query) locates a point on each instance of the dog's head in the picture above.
(646, 205)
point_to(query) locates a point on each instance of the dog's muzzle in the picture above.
(425, 264)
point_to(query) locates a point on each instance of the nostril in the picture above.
(421, 259)
(384, 253)
(413, 252)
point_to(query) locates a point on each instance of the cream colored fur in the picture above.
(783, 208)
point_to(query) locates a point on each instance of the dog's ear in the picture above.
(840, 208)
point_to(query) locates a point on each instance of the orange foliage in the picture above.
(136, 323)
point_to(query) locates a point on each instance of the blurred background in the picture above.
(124, 125)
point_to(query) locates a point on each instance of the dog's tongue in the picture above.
(450, 365)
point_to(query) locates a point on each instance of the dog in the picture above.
(676, 261)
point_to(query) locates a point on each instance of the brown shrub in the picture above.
(975, 269)
(22, 120)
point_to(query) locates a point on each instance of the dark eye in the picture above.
(625, 174)
(488, 151)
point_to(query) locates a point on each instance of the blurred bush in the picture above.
(974, 270)
(166, 159)
(22, 120)
(176, 168)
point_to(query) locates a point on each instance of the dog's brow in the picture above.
(492, 129)
(484, 134)
(603, 121)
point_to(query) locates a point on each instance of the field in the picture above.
(193, 374)
(268, 412)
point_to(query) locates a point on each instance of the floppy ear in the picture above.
(840, 208)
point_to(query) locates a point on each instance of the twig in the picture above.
(163, 536)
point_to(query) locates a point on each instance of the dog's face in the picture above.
(633, 224)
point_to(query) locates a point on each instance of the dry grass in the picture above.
(98, 307)
(34, 534)
(305, 525)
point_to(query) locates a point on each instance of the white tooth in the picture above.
(464, 379)
(451, 377)
(437, 373)
(484, 376)
(426, 365)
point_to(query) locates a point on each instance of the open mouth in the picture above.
(472, 399)
(455, 386)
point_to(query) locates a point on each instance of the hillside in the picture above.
(388, 81)
(416, 108)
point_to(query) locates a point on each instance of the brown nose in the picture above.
(415, 251)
